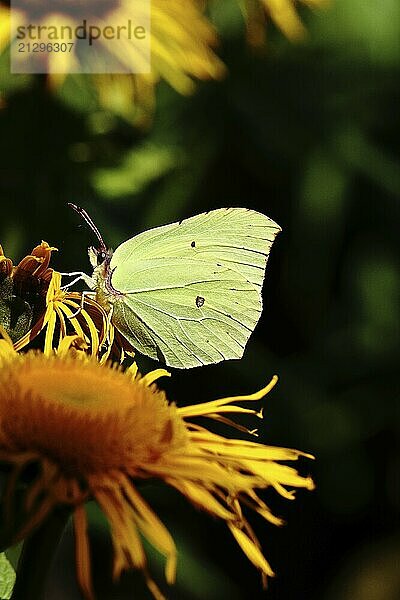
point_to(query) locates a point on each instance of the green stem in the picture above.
(37, 556)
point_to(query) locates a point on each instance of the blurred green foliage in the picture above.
(308, 134)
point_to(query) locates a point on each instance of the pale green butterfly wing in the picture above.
(192, 290)
(237, 237)
(203, 315)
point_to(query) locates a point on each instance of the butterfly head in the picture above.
(99, 256)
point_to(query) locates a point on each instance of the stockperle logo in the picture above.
(65, 37)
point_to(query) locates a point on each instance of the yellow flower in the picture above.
(96, 432)
(182, 46)
(282, 12)
(182, 43)
(36, 287)
(182, 50)
(65, 308)
(67, 315)
(23, 290)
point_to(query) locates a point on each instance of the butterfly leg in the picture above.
(83, 296)
(109, 317)
(79, 276)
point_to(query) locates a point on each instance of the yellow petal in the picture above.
(153, 529)
(154, 375)
(210, 407)
(82, 553)
(252, 552)
(201, 497)
(48, 343)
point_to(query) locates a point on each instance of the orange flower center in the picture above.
(85, 417)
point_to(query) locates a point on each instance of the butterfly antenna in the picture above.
(84, 215)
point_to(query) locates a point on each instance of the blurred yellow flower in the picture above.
(182, 47)
(282, 12)
(182, 43)
(181, 40)
(96, 432)
(4, 26)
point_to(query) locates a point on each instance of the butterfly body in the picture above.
(188, 293)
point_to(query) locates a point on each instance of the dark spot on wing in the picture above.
(199, 301)
(193, 244)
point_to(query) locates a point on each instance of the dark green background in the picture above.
(309, 135)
